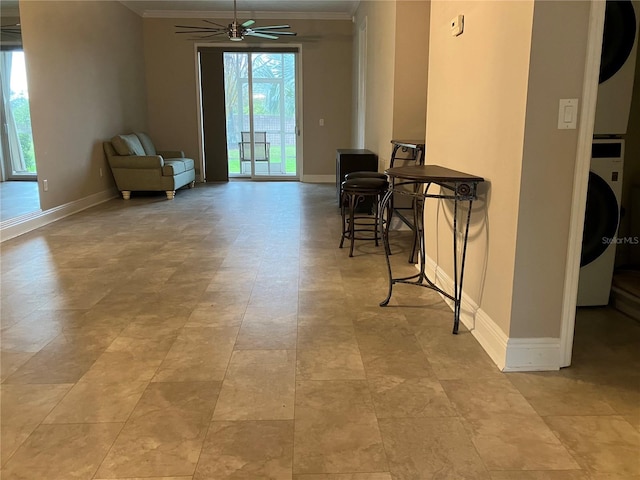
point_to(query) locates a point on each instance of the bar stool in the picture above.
(378, 175)
(365, 206)
(358, 188)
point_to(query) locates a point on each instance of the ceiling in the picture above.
(314, 9)
(284, 9)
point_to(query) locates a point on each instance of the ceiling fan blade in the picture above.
(212, 32)
(213, 35)
(204, 29)
(204, 37)
(272, 27)
(216, 24)
(261, 35)
(235, 30)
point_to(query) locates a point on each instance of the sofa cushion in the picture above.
(147, 144)
(127, 145)
(173, 167)
(189, 164)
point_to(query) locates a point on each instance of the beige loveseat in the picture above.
(137, 166)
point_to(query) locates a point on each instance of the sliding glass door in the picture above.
(18, 158)
(261, 114)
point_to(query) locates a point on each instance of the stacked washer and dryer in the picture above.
(619, 50)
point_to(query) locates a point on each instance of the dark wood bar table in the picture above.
(455, 186)
(405, 152)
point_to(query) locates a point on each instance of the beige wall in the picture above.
(326, 78)
(396, 78)
(381, 38)
(493, 108)
(86, 84)
(477, 102)
(411, 66)
(556, 71)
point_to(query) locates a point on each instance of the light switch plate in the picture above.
(568, 114)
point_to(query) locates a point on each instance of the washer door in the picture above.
(618, 38)
(601, 219)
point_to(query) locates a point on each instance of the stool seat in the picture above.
(358, 189)
(365, 183)
(352, 175)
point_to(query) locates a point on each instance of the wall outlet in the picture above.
(45, 185)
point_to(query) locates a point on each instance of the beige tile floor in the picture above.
(18, 198)
(223, 335)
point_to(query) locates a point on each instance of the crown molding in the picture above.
(245, 14)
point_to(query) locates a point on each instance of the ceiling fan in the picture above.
(236, 31)
(11, 30)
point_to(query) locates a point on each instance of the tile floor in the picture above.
(18, 198)
(223, 335)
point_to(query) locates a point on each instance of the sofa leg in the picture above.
(126, 194)
(170, 194)
(192, 184)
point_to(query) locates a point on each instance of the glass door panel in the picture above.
(17, 141)
(236, 109)
(260, 99)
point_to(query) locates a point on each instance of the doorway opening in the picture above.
(18, 162)
(261, 111)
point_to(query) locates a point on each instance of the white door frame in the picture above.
(581, 178)
(198, 82)
(361, 101)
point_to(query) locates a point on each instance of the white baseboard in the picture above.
(509, 354)
(318, 179)
(14, 227)
(533, 355)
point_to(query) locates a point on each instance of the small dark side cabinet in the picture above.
(353, 160)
